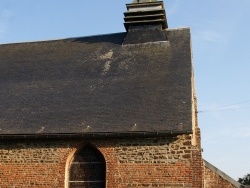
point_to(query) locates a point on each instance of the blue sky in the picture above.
(221, 54)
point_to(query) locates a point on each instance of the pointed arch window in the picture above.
(87, 169)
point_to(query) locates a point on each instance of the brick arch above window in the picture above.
(87, 169)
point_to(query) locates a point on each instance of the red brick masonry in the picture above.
(160, 162)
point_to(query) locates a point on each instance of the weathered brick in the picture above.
(214, 180)
(155, 162)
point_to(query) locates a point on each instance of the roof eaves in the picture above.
(94, 135)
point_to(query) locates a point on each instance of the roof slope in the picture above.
(96, 85)
(220, 174)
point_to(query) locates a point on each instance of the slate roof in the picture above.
(97, 84)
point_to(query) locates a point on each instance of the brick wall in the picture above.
(197, 162)
(161, 162)
(214, 178)
(38, 164)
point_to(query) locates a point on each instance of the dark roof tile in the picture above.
(96, 85)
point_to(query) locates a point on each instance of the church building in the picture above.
(107, 111)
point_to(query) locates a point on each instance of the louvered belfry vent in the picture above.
(145, 13)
